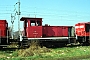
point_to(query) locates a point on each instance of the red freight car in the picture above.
(82, 31)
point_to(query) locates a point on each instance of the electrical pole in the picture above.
(12, 21)
(18, 13)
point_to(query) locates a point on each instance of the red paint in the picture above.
(32, 27)
(65, 31)
(34, 32)
(55, 31)
(3, 28)
(81, 29)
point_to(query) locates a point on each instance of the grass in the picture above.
(38, 53)
(34, 49)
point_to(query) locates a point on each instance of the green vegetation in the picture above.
(37, 53)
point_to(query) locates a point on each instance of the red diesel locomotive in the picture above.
(47, 35)
(82, 31)
(3, 32)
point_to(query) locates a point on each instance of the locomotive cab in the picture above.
(32, 27)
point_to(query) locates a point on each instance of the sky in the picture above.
(53, 12)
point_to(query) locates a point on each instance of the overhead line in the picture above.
(49, 9)
(58, 15)
(51, 13)
(6, 13)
